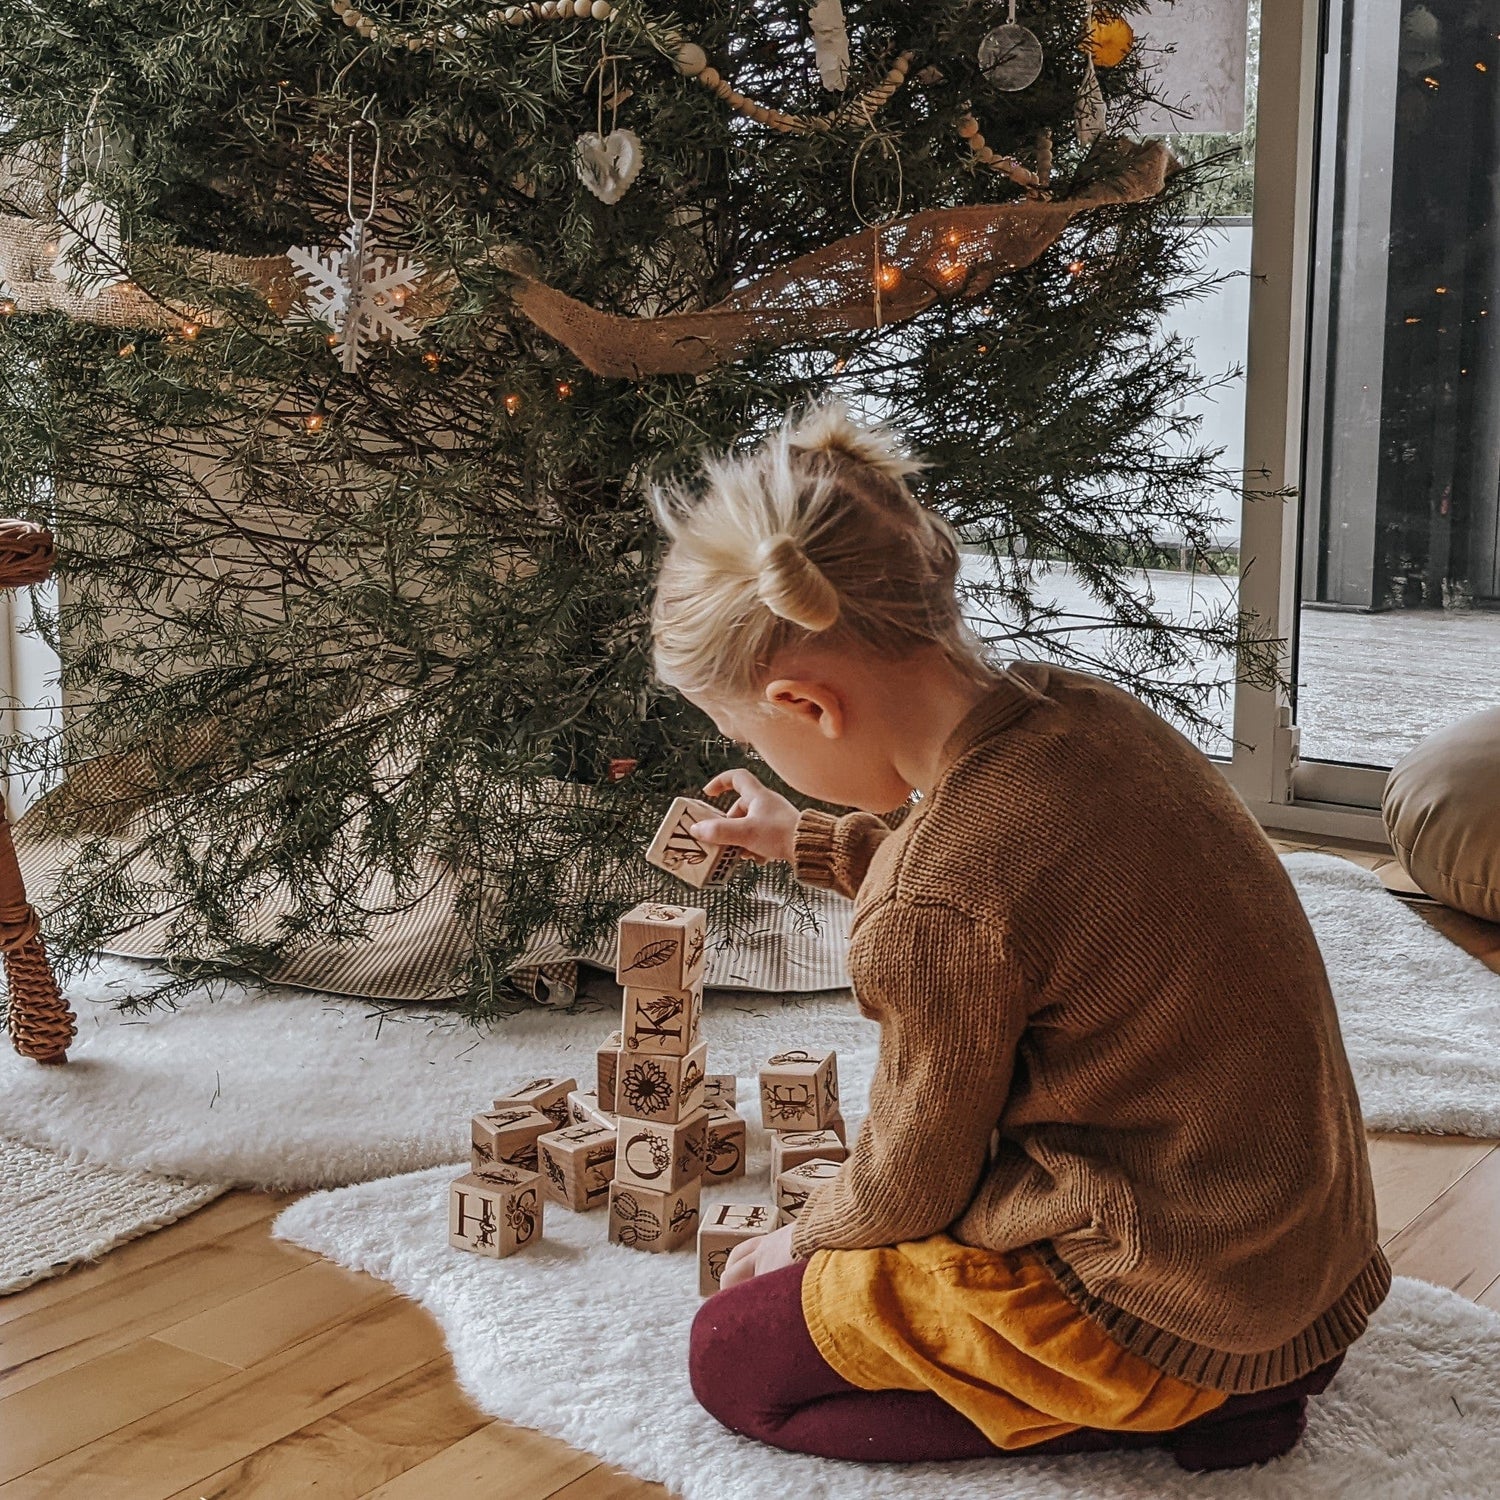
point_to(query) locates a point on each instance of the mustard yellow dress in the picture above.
(992, 1334)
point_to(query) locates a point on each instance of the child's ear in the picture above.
(815, 703)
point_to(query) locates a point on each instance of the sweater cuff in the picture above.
(804, 1241)
(812, 849)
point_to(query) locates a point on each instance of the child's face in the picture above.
(812, 735)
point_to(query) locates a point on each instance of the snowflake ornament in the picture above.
(356, 292)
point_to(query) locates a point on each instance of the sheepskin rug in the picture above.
(587, 1341)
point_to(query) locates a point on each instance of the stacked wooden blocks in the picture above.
(495, 1209)
(799, 1102)
(656, 1125)
(657, 1077)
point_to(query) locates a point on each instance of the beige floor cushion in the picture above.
(1442, 811)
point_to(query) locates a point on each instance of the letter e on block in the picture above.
(799, 1090)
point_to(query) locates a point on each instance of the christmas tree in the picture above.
(367, 593)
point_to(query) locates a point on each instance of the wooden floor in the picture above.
(209, 1361)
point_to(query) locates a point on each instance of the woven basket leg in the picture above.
(41, 1021)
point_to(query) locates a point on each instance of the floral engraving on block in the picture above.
(646, 1086)
(657, 1155)
(789, 1101)
(520, 1214)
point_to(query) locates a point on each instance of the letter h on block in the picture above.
(495, 1212)
(726, 1225)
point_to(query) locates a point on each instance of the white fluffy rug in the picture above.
(285, 1089)
(54, 1214)
(587, 1341)
(1421, 1018)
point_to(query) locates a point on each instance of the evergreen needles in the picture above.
(322, 623)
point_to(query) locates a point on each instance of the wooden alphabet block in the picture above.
(495, 1213)
(726, 1225)
(799, 1090)
(662, 1021)
(794, 1185)
(583, 1109)
(668, 1089)
(675, 850)
(507, 1135)
(662, 947)
(660, 1156)
(650, 1221)
(577, 1165)
(720, 1090)
(608, 1067)
(725, 1155)
(793, 1147)
(549, 1095)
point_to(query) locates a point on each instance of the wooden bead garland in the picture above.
(692, 62)
(986, 155)
(690, 59)
(445, 36)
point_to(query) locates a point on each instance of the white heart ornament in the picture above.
(607, 164)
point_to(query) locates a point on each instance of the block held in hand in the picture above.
(675, 850)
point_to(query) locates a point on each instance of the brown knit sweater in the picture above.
(1082, 937)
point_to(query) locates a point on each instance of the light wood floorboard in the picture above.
(212, 1361)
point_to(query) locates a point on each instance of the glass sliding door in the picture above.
(1399, 624)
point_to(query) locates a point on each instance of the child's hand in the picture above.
(762, 823)
(751, 1258)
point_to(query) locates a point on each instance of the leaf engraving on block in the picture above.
(653, 955)
(554, 1173)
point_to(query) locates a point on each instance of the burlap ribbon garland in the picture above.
(947, 252)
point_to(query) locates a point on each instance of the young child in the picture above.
(1112, 1190)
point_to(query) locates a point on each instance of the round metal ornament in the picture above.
(1010, 56)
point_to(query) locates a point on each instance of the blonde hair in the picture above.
(812, 535)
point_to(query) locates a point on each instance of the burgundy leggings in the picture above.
(755, 1367)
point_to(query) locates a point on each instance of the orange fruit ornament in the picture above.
(1109, 39)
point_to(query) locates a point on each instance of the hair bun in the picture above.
(790, 584)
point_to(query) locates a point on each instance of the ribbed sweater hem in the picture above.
(813, 860)
(1325, 1337)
